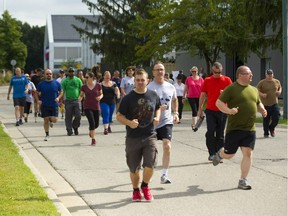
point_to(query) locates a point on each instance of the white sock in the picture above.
(165, 172)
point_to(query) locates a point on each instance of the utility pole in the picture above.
(285, 57)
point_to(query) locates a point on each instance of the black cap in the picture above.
(71, 69)
(269, 71)
(61, 71)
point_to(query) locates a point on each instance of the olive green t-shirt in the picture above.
(247, 99)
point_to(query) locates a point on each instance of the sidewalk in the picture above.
(84, 180)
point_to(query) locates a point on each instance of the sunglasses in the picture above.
(48, 73)
(193, 71)
(87, 77)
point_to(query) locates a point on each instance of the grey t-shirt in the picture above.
(167, 93)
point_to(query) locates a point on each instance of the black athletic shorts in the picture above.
(239, 138)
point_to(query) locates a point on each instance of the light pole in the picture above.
(285, 57)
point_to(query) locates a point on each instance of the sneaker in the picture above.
(165, 179)
(17, 123)
(244, 184)
(136, 197)
(272, 132)
(20, 121)
(46, 138)
(147, 193)
(105, 131)
(210, 158)
(266, 136)
(51, 124)
(216, 159)
(39, 114)
(62, 117)
(93, 142)
(25, 119)
(76, 132)
(109, 130)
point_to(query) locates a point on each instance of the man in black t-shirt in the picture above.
(139, 110)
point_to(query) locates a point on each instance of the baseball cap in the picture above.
(269, 71)
(61, 71)
(71, 69)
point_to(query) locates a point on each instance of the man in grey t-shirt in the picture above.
(169, 103)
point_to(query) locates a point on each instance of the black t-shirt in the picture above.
(141, 107)
(36, 80)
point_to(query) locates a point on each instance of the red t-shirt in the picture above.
(90, 101)
(212, 87)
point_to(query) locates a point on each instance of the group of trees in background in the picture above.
(20, 42)
(139, 31)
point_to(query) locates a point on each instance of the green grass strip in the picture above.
(20, 192)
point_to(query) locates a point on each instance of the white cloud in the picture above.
(35, 12)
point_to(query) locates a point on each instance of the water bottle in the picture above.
(199, 123)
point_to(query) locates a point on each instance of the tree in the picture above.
(110, 34)
(33, 38)
(10, 42)
(204, 27)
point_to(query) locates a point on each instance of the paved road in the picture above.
(84, 180)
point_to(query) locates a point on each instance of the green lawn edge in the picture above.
(20, 192)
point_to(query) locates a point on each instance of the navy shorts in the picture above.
(138, 149)
(165, 132)
(239, 138)
(19, 101)
(47, 111)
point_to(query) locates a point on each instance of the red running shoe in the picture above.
(147, 194)
(93, 143)
(136, 196)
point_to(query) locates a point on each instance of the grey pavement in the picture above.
(84, 180)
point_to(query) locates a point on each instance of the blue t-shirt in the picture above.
(49, 92)
(19, 85)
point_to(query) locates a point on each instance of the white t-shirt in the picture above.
(167, 93)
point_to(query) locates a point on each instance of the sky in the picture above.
(35, 12)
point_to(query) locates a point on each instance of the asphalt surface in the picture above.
(84, 180)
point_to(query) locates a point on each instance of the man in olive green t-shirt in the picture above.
(71, 87)
(240, 101)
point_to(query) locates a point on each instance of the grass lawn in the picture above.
(20, 192)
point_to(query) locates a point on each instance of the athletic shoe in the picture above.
(17, 123)
(39, 114)
(217, 159)
(165, 179)
(20, 121)
(51, 125)
(272, 132)
(210, 158)
(93, 142)
(147, 193)
(109, 129)
(25, 119)
(76, 131)
(266, 136)
(46, 138)
(105, 132)
(136, 197)
(244, 184)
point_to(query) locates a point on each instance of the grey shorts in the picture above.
(138, 149)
